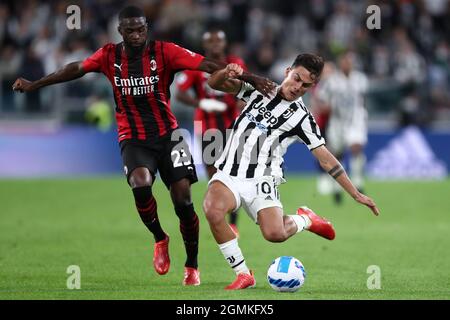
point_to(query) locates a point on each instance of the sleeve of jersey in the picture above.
(182, 58)
(95, 63)
(308, 132)
(185, 80)
(245, 92)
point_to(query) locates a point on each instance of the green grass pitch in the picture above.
(48, 225)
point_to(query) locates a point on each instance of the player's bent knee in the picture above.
(274, 235)
(214, 212)
(140, 177)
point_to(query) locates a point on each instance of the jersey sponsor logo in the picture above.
(270, 118)
(136, 86)
(259, 125)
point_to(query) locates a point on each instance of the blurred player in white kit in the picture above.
(343, 95)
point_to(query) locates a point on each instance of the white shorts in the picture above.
(252, 194)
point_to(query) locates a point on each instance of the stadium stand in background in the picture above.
(408, 59)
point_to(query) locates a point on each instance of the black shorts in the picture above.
(172, 159)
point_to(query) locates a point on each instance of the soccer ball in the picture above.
(286, 274)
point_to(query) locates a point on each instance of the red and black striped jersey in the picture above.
(198, 80)
(141, 85)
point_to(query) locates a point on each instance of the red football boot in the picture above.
(161, 259)
(242, 281)
(319, 225)
(191, 277)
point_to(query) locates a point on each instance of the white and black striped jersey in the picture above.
(345, 95)
(260, 135)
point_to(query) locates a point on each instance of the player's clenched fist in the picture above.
(233, 70)
(22, 85)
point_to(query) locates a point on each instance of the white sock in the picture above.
(357, 170)
(302, 222)
(234, 257)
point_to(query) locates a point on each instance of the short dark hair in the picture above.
(131, 12)
(311, 62)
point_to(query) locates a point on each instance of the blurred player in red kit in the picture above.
(140, 71)
(215, 110)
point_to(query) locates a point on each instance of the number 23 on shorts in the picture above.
(180, 158)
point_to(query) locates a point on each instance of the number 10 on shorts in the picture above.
(265, 190)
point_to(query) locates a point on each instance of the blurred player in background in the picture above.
(343, 95)
(215, 110)
(321, 113)
(140, 71)
(250, 168)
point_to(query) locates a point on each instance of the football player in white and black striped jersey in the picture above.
(342, 94)
(250, 167)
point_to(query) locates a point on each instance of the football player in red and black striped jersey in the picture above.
(140, 71)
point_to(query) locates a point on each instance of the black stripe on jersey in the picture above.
(282, 118)
(240, 149)
(237, 121)
(248, 93)
(285, 116)
(123, 98)
(267, 170)
(246, 109)
(156, 93)
(297, 130)
(302, 106)
(313, 124)
(254, 155)
(269, 107)
(255, 149)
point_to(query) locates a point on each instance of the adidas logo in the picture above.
(408, 155)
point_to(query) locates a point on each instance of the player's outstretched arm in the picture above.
(263, 85)
(334, 168)
(69, 72)
(226, 79)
